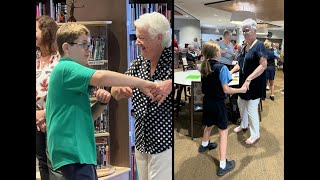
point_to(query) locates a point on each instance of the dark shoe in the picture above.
(229, 166)
(272, 98)
(263, 98)
(209, 147)
(239, 121)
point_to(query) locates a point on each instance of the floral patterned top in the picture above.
(42, 75)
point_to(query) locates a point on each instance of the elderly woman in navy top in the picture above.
(252, 65)
(153, 120)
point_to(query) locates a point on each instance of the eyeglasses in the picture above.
(245, 31)
(85, 46)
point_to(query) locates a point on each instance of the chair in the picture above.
(186, 65)
(196, 102)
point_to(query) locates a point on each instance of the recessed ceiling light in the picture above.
(219, 20)
(215, 15)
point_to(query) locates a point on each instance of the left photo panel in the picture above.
(104, 90)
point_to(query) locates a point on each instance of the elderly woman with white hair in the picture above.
(153, 120)
(252, 64)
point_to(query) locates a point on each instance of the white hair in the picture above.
(249, 22)
(156, 24)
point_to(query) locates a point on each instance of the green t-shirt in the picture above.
(70, 128)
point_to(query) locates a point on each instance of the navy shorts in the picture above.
(214, 113)
(79, 171)
(270, 74)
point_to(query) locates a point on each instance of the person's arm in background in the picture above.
(235, 68)
(103, 97)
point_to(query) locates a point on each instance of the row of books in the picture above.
(59, 11)
(103, 156)
(98, 48)
(40, 9)
(138, 9)
(134, 50)
(101, 125)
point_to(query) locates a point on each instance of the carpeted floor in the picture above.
(262, 160)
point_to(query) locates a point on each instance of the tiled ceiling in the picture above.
(217, 13)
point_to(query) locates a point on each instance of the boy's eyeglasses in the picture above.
(85, 46)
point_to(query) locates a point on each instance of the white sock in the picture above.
(205, 143)
(223, 164)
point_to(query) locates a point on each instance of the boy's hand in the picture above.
(102, 95)
(41, 120)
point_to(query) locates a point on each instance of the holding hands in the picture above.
(102, 95)
(244, 88)
(156, 91)
(161, 91)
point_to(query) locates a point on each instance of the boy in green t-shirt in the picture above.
(70, 128)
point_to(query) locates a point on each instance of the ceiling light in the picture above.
(237, 17)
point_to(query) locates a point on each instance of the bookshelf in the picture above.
(53, 8)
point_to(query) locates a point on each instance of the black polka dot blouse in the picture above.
(153, 124)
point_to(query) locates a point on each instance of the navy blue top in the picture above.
(248, 62)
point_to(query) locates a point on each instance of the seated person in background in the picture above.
(192, 55)
(196, 44)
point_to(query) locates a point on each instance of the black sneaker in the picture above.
(272, 98)
(209, 147)
(229, 166)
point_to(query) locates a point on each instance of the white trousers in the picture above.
(250, 114)
(154, 166)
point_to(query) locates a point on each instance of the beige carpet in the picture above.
(263, 160)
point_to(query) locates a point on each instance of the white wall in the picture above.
(209, 33)
(188, 30)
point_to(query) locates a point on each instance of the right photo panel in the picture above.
(228, 89)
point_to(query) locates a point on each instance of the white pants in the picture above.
(154, 166)
(249, 113)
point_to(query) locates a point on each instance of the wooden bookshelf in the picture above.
(121, 173)
(91, 23)
(106, 134)
(97, 62)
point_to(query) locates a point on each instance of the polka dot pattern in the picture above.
(153, 124)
